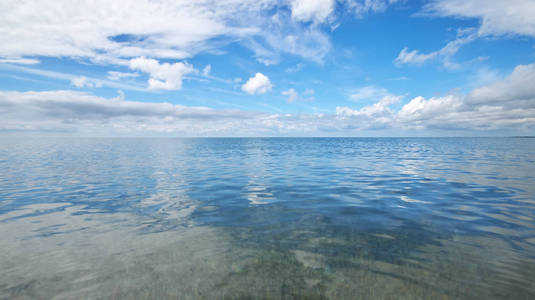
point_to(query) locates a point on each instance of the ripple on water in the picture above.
(267, 218)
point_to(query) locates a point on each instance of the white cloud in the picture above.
(71, 77)
(419, 109)
(515, 91)
(316, 11)
(206, 70)
(514, 17)
(114, 32)
(507, 104)
(413, 57)
(370, 92)
(18, 60)
(281, 35)
(81, 112)
(120, 95)
(452, 113)
(484, 76)
(291, 93)
(164, 76)
(445, 54)
(298, 67)
(79, 81)
(497, 17)
(380, 111)
(259, 84)
(363, 7)
(399, 78)
(376, 116)
(83, 81)
(113, 75)
(104, 29)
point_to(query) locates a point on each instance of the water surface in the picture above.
(268, 218)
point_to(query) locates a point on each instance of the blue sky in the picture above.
(268, 68)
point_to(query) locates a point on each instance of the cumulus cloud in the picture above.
(515, 91)
(452, 113)
(445, 54)
(506, 103)
(420, 110)
(497, 17)
(316, 11)
(376, 116)
(258, 84)
(164, 76)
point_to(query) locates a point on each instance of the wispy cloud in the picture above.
(114, 75)
(72, 77)
(291, 93)
(307, 95)
(414, 57)
(363, 7)
(114, 32)
(18, 60)
(399, 78)
(298, 67)
(497, 17)
(370, 92)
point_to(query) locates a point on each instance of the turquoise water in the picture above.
(340, 218)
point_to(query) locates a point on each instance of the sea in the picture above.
(267, 218)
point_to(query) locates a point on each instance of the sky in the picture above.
(185, 68)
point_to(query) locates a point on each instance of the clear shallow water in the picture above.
(268, 218)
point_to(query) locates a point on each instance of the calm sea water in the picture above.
(268, 218)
